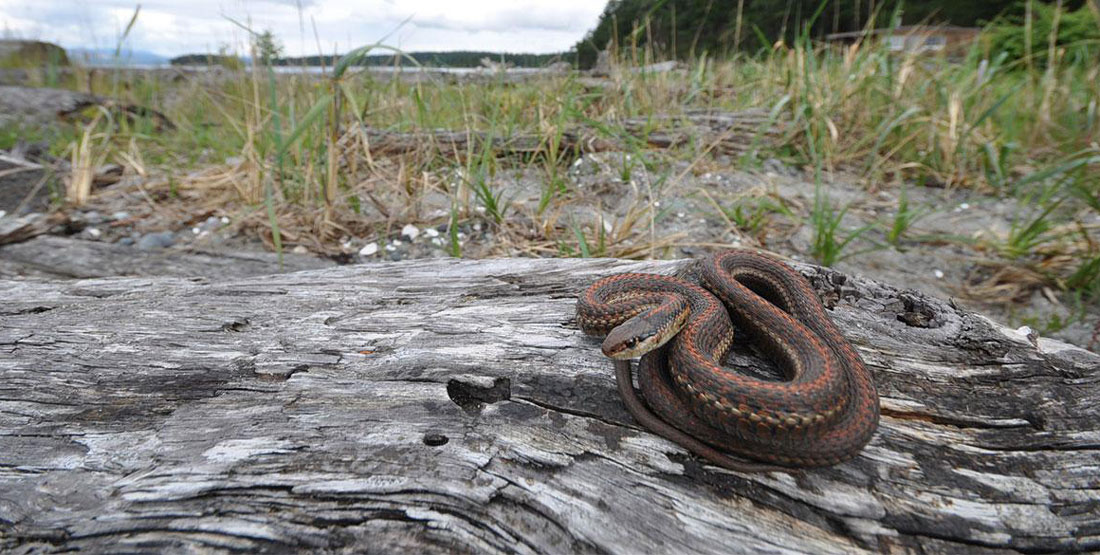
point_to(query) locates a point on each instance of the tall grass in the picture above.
(295, 146)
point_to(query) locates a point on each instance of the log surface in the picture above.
(454, 407)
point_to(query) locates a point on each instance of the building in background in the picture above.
(945, 39)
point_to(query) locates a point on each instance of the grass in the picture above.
(287, 150)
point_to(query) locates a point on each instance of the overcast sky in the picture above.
(173, 27)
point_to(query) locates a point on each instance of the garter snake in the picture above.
(822, 413)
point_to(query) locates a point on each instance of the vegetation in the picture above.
(288, 153)
(686, 29)
(1025, 33)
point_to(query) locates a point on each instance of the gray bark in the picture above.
(453, 406)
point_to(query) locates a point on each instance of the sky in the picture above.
(305, 27)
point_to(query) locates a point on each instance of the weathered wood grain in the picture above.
(453, 406)
(67, 258)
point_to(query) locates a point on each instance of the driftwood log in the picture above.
(730, 133)
(41, 105)
(67, 258)
(453, 406)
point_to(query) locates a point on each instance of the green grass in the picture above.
(984, 122)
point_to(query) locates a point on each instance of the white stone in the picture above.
(410, 231)
(368, 249)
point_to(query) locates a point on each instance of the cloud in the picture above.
(171, 27)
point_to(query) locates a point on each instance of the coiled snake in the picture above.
(824, 412)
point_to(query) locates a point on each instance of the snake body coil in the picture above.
(823, 413)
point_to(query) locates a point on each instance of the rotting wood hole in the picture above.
(30, 310)
(472, 393)
(240, 324)
(433, 439)
(917, 313)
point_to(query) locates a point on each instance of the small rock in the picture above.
(225, 220)
(369, 249)
(410, 231)
(938, 274)
(431, 232)
(211, 223)
(158, 240)
(195, 231)
(126, 241)
(92, 232)
(120, 215)
(3, 213)
(299, 250)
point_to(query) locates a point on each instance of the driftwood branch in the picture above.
(729, 133)
(453, 406)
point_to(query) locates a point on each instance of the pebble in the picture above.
(431, 232)
(369, 249)
(93, 217)
(158, 240)
(211, 223)
(120, 215)
(410, 231)
(938, 274)
(92, 232)
(3, 213)
(126, 241)
(300, 250)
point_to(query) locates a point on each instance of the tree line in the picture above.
(687, 28)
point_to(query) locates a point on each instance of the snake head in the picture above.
(640, 335)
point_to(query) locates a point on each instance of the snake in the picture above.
(824, 410)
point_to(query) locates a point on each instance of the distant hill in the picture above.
(31, 53)
(106, 56)
(231, 62)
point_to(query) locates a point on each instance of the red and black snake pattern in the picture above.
(823, 413)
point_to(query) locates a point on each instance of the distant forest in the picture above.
(430, 59)
(687, 28)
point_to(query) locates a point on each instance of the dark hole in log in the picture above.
(435, 440)
(917, 313)
(472, 393)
